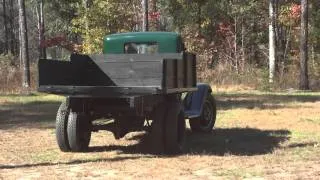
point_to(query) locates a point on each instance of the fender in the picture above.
(193, 101)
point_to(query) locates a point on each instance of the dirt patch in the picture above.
(272, 137)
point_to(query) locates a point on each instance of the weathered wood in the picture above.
(163, 73)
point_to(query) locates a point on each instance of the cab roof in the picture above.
(168, 42)
(142, 34)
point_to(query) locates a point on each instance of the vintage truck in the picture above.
(142, 81)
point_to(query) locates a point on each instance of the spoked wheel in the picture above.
(61, 127)
(79, 131)
(206, 121)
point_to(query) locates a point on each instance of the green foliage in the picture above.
(36, 98)
(218, 28)
(264, 84)
(58, 16)
(315, 24)
(7, 60)
(102, 18)
(230, 35)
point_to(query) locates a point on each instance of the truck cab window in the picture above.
(140, 48)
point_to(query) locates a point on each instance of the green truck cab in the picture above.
(152, 42)
(136, 84)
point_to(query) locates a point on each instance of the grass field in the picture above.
(257, 136)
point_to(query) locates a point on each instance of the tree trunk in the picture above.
(243, 51)
(86, 4)
(254, 48)
(304, 82)
(272, 48)
(145, 22)
(313, 57)
(155, 21)
(6, 46)
(199, 17)
(42, 49)
(24, 55)
(236, 45)
(13, 30)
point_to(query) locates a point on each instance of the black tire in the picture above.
(79, 132)
(175, 129)
(206, 121)
(61, 127)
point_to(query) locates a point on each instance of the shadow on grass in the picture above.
(250, 101)
(36, 114)
(41, 114)
(235, 141)
(67, 163)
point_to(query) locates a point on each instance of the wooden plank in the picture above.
(180, 73)
(100, 91)
(134, 57)
(55, 72)
(191, 70)
(165, 73)
(169, 74)
(129, 69)
(127, 82)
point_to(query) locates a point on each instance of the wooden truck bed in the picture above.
(118, 75)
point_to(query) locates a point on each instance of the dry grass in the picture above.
(257, 135)
(225, 76)
(11, 79)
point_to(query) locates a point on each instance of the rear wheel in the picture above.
(61, 127)
(168, 129)
(79, 131)
(206, 121)
(156, 138)
(175, 128)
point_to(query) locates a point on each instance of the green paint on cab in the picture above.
(167, 42)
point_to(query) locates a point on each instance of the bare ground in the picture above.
(265, 136)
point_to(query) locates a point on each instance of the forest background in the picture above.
(230, 37)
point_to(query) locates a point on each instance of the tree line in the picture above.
(268, 34)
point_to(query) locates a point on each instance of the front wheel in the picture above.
(206, 121)
(79, 131)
